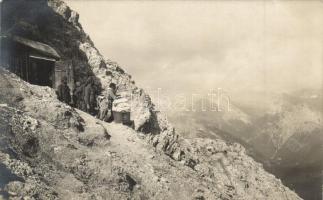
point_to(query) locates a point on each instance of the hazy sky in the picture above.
(185, 45)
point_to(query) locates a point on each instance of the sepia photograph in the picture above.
(161, 99)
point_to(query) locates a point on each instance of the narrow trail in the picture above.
(140, 159)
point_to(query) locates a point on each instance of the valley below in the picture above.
(286, 137)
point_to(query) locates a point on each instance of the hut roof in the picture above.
(38, 46)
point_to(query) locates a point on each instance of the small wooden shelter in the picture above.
(33, 61)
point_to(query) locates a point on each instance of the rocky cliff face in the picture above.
(58, 152)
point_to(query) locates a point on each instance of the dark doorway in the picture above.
(41, 72)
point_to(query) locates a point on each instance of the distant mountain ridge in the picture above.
(285, 134)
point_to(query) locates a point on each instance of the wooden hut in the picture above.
(33, 61)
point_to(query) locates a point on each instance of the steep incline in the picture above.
(54, 23)
(62, 153)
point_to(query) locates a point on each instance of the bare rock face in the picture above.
(142, 107)
(63, 153)
(93, 56)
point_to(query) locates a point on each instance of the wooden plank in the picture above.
(27, 66)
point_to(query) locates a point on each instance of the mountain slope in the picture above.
(68, 154)
(62, 153)
(293, 126)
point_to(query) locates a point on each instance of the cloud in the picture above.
(249, 45)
